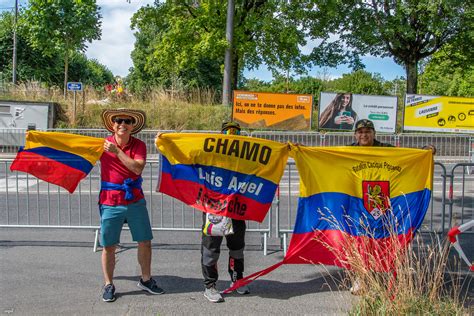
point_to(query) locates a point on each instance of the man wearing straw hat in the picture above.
(121, 197)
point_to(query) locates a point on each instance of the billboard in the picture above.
(276, 111)
(340, 111)
(438, 114)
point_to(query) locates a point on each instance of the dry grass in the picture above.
(166, 109)
(399, 279)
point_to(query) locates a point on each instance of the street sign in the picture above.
(74, 86)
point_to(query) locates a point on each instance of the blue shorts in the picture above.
(112, 219)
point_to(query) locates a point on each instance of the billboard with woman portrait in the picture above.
(340, 111)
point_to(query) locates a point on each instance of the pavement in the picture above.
(51, 272)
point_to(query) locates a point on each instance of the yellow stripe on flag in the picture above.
(352, 165)
(248, 155)
(89, 148)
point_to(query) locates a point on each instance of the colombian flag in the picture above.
(365, 200)
(58, 158)
(229, 175)
(356, 203)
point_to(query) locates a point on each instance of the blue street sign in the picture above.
(74, 86)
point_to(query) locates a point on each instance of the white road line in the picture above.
(22, 183)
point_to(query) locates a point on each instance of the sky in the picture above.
(117, 42)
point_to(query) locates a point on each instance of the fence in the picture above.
(31, 203)
(451, 148)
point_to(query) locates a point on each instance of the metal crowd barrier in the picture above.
(451, 148)
(32, 203)
(451, 191)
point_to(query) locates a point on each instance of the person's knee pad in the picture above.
(209, 258)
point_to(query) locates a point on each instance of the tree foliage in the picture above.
(407, 30)
(360, 81)
(186, 40)
(62, 26)
(449, 72)
(34, 65)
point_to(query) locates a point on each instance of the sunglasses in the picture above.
(127, 121)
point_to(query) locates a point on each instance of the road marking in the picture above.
(22, 183)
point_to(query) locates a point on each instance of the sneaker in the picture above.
(213, 295)
(109, 293)
(150, 286)
(242, 290)
(356, 288)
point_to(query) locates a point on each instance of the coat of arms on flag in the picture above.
(376, 197)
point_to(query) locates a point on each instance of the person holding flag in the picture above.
(365, 136)
(121, 197)
(210, 246)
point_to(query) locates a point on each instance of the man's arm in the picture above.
(135, 166)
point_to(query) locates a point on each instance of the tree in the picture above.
(359, 81)
(175, 37)
(34, 65)
(62, 26)
(449, 72)
(407, 30)
(89, 71)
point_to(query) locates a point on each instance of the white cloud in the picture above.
(117, 41)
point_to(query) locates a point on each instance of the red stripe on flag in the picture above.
(194, 194)
(48, 170)
(334, 247)
(330, 246)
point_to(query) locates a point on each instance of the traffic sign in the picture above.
(74, 86)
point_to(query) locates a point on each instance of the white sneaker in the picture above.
(242, 290)
(213, 295)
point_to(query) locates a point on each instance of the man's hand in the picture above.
(111, 147)
(430, 147)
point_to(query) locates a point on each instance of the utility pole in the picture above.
(14, 42)
(229, 34)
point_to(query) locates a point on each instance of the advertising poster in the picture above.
(438, 114)
(275, 111)
(340, 111)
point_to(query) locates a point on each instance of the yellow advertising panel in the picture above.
(438, 114)
(276, 111)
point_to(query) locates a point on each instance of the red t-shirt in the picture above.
(113, 170)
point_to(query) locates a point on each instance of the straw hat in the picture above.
(138, 116)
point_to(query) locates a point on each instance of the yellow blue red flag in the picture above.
(359, 195)
(59, 158)
(229, 175)
(368, 199)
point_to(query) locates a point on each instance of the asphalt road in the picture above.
(55, 272)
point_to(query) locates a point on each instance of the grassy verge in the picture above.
(192, 111)
(166, 110)
(422, 286)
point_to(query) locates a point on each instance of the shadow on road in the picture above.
(261, 288)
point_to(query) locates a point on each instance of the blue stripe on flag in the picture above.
(329, 211)
(220, 179)
(71, 160)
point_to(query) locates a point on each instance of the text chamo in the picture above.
(238, 148)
